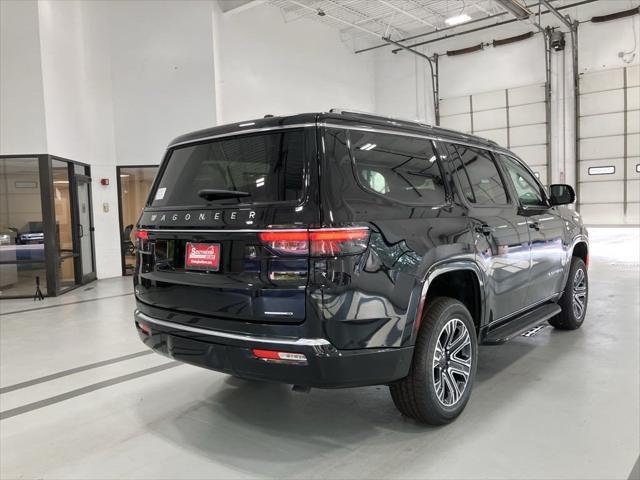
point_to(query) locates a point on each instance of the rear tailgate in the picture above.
(202, 253)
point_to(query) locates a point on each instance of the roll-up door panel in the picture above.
(633, 145)
(610, 146)
(532, 155)
(602, 147)
(604, 80)
(602, 192)
(528, 135)
(497, 135)
(454, 106)
(601, 170)
(603, 214)
(602, 125)
(633, 121)
(633, 213)
(514, 118)
(633, 98)
(526, 95)
(633, 168)
(461, 122)
(633, 76)
(527, 114)
(489, 100)
(633, 191)
(602, 102)
(489, 120)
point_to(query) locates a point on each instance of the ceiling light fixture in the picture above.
(457, 19)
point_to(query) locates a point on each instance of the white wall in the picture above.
(22, 124)
(265, 65)
(162, 76)
(402, 86)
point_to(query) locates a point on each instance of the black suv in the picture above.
(344, 249)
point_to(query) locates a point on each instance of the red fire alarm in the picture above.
(104, 181)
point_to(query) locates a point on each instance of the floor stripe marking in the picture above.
(65, 304)
(71, 371)
(84, 390)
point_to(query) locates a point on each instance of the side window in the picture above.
(402, 169)
(527, 189)
(479, 176)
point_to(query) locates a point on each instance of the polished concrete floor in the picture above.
(81, 398)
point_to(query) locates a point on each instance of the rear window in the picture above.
(266, 167)
(402, 169)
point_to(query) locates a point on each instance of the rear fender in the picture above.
(419, 295)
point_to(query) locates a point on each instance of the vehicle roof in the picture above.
(340, 118)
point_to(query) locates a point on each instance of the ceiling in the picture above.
(366, 21)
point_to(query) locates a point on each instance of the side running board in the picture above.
(521, 324)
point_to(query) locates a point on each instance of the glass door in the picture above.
(65, 247)
(134, 183)
(85, 267)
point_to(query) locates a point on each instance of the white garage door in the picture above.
(514, 118)
(609, 161)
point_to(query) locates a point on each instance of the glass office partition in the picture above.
(22, 255)
(46, 229)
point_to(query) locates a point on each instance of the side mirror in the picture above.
(562, 194)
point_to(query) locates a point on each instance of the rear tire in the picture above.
(444, 365)
(574, 298)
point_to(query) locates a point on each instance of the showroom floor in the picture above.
(80, 397)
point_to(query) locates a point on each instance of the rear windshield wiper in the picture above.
(215, 194)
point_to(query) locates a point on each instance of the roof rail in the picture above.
(341, 111)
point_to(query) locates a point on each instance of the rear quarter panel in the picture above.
(371, 300)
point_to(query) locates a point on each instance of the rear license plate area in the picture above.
(202, 257)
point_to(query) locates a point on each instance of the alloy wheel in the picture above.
(452, 362)
(579, 293)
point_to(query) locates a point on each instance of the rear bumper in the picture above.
(231, 353)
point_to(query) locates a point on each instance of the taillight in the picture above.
(325, 242)
(330, 242)
(288, 242)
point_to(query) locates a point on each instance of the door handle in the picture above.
(484, 229)
(534, 225)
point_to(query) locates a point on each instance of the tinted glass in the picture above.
(268, 167)
(485, 184)
(527, 189)
(402, 169)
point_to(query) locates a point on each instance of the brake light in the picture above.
(330, 242)
(291, 242)
(277, 356)
(319, 243)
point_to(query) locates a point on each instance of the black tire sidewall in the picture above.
(435, 319)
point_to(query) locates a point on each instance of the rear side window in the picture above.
(267, 167)
(479, 177)
(402, 169)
